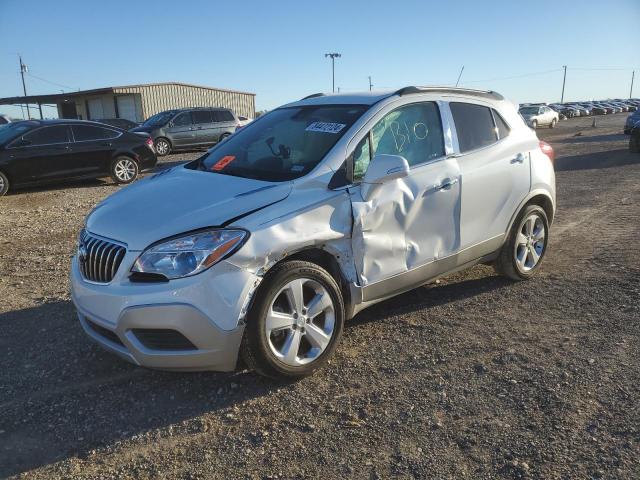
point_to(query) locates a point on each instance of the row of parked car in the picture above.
(46, 151)
(542, 114)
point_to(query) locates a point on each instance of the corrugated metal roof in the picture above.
(59, 97)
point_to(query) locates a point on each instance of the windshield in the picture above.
(282, 145)
(529, 110)
(158, 119)
(12, 130)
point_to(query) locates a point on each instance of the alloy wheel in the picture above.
(300, 322)
(2, 185)
(530, 243)
(125, 170)
(162, 147)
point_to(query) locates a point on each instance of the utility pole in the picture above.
(333, 57)
(460, 75)
(370, 84)
(633, 74)
(564, 79)
(23, 69)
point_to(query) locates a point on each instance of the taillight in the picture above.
(548, 151)
(149, 142)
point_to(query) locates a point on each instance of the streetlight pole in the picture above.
(564, 79)
(23, 69)
(633, 74)
(333, 57)
(370, 84)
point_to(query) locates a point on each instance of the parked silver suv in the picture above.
(271, 240)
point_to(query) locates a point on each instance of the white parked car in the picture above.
(539, 116)
(269, 242)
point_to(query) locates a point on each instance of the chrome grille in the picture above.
(99, 259)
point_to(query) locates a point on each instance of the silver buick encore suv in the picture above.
(265, 246)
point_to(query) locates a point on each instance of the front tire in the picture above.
(162, 146)
(522, 254)
(534, 124)
(4, 184)
(553, 123)
(124, 170)
(634, 145)
(295, 322)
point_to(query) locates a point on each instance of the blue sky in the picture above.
(276, 48)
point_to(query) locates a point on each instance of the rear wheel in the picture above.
(4, 184)
(553, 123)
(534, 124)
(223, 137)
(163, 147)
(124, 170)
(522, 254)
(634, 144)
(295, 323)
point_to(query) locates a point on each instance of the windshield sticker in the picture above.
(297, 168)
(325, 127)
(223, 162)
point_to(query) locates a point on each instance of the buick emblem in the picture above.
(82, 253)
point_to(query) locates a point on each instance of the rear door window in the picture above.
(223, 116)
(202, 116)
(48, 135)
(182, 120)
(85, 133)
(474, 125)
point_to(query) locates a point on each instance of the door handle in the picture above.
(62, 148)
(108, 144)
(520, 158)
(446, 184)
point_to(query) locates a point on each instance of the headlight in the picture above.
(190, 254)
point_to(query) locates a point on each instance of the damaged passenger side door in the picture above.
(405, 226)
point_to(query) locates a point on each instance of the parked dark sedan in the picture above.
(122, 123)
(42, 151)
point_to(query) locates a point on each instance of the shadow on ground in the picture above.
(63, 396)
(607, 159)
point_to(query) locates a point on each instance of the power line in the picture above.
(50, 82)
(514, 76)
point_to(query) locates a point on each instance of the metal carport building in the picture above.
(138, 102)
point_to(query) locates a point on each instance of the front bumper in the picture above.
(197, 317)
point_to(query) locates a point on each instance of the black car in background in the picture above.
(122, 123)
(43, 151)
(189, 128)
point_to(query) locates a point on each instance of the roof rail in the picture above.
(465, 91)
(313, 95)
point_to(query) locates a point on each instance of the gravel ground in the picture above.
(471, 377)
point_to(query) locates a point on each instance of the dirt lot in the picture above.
(472, 377)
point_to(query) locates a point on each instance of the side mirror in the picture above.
(382, 169)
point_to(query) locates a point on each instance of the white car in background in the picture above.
(269, 242)
(242, 121)
(539, 116)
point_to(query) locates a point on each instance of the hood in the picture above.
(179, 200)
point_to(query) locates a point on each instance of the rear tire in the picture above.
(634, 145)
(525, 248)
(534, 124)
(223, 137)
(295, 322)
(124, 170)
(553, 123)
(162, 146)
(4, 184)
